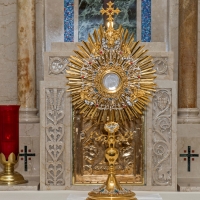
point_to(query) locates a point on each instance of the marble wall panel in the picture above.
(172, 43)
(64, 46)
(183, 143)
(33, 162)
(188, 135)
(8, 52)
(29, 130)
(54, 22)
(30, 137)
(159, 20)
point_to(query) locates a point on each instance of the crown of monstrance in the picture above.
(110, 75)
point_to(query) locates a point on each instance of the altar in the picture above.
(160, 118)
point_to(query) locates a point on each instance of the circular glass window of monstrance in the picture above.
(111, 82)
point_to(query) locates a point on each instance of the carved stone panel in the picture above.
(161, 65)
(162, 138)
(54, 137)
(90, 165)
(57, 65)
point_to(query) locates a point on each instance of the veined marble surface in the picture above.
(8, 52)
(127, 16)
(26, 54)
(90, 18)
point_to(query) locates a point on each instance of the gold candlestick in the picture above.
(9, 176)
(111, 189)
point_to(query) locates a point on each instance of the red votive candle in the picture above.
(9, 130)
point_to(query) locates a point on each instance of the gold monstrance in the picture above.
(111, 80)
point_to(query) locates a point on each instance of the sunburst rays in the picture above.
(110, 51)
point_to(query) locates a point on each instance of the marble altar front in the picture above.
(56, 159)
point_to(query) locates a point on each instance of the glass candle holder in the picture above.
(9, 144)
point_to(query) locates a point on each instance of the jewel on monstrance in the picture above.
(111, 81)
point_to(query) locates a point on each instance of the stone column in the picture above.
(27, 61)
(187, 72)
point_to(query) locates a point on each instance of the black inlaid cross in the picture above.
(26, 155)
(189, 155)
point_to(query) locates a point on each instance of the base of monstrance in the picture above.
(101, 194)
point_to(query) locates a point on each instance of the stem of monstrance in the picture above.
(111, 188)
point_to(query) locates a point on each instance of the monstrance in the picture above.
(111, 79)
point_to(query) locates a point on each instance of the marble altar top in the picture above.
(64, 195)
(139, 196)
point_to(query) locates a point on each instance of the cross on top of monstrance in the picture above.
(110, 11)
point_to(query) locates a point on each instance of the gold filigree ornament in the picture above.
(110, 73)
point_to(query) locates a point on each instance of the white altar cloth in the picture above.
(141, 196)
